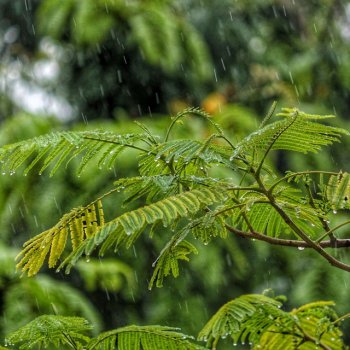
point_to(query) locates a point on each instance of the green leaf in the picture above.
(338, 191)
(229, 318)
(58, 148)
(50, 329)
(144, 338)
(298, 131)
(168, 261)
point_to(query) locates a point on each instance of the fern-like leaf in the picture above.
(309, 327)
(258, 213)
(178, 155)
(298, 131)
(51, 329)
(60, 147)
(229, 318)
(209, 226)
(153, 187)
(338, 191)
(259, 320)
(168, 260)
(125, 229)
(144, 338)
(87, 229)
(79, 223)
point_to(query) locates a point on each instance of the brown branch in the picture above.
(339, 243)
(315, 245)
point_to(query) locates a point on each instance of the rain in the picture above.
(119, 210)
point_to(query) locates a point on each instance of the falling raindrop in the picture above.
(291, 77)
(119, 76)
(215, 76)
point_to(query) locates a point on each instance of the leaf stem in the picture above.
(118, 143)
(342, 318)
(298, 174)
(332, 230)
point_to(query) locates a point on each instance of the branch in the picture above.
(339, 243)
(315, 245)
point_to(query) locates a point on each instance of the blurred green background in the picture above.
(105, 63)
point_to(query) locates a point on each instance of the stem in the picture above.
(308, 337)
(275, 138)
(118, 143)
(227, 140)
(299, 173)
(316, 246)
(323, 222)
(340, 243)
(269, 114)
(332, 230)
(239, 188)
(342, 318)
(182, 114)
(70, 341)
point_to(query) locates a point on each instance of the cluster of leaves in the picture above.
(256, 319)
(174, 178)
(182, 195)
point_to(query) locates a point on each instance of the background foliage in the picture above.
(218, 55)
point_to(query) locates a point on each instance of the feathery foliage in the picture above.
(253, 318)
(338, 191)
(259, 320)
(58, 330)
(297, 131)
(80, 224)
(184, 186)
(125, 229)
(71, 331)
(176, 183)
(144, 338)
(58, 148)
